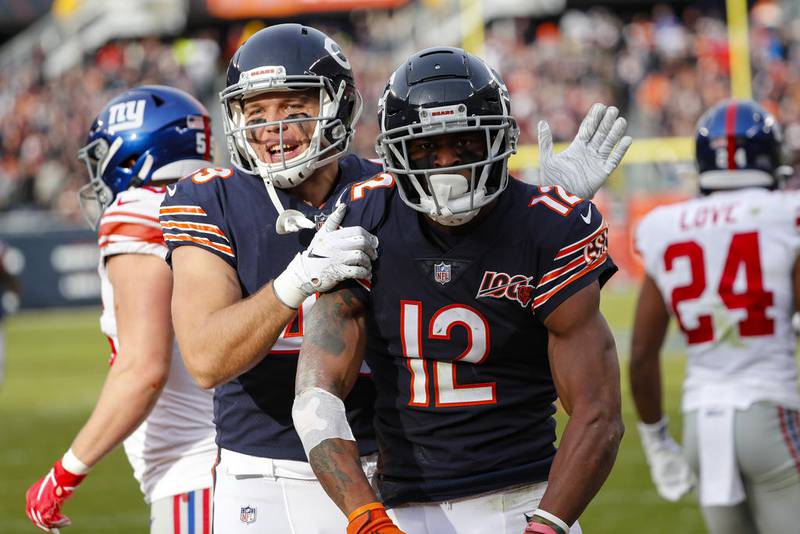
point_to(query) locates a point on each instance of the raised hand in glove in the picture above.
(335, 254)
(585, 165)
(668, 466)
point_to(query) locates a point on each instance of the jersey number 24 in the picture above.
(754, 299)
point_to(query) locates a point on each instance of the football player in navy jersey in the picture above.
(483, 308)
(247, 265)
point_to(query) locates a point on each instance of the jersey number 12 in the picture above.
(446, 391)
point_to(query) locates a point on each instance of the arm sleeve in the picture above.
(192, 215)
(574, 259)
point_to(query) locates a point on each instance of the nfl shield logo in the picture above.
(441, 272)
(247, 515)
(319, 220)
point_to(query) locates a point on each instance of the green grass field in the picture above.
(56, 364)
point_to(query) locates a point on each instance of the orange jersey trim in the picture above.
(200, 227)
(569, 249)
(182, 210)
(200, 241)
(555, 273)
(544, 298)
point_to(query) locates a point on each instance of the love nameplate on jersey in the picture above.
(442, 270)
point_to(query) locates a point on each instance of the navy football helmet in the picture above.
(447, 91)
(738, 144)
(148, 134)
(290, 57)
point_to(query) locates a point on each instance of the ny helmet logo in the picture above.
(126, 115)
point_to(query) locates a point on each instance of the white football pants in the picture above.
(499, 512)
(263, 496)
(766, 441)
(185, 513)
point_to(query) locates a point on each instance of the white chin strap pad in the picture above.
(319, 415)
(448, 186)
(451, 192)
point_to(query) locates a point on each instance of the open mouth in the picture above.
(279, 153)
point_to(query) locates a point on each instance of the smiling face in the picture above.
(271, 107)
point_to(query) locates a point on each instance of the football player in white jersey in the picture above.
(142, 139)
(725, 265)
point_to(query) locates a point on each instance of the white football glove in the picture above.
(668, 466)
(335, 254)
(584, 166)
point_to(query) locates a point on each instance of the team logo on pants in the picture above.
(247, 515)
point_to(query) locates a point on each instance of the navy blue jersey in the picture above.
(456, 344)
(229, 214)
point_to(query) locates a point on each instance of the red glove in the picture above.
(44, 499)
(371, 519)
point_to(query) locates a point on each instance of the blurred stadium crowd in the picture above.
(661, 68)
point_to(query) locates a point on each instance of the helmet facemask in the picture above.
(96, 196)
(451, 195)
(329, 140)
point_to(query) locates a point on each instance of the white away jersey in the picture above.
(724, 266)
(173, 450)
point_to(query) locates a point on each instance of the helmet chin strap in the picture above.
(446, 187)
(288, 221)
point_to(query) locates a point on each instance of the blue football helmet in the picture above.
(738, 144)
(146, 135)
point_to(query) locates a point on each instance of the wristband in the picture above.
(72, 463)
(285, 289)
(540, 528)
(557, 522)
(365, 508)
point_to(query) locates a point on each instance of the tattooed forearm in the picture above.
(326, 323)
(333, 344)
(338, 468)
(323, 459)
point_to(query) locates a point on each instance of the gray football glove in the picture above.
(585, 165)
